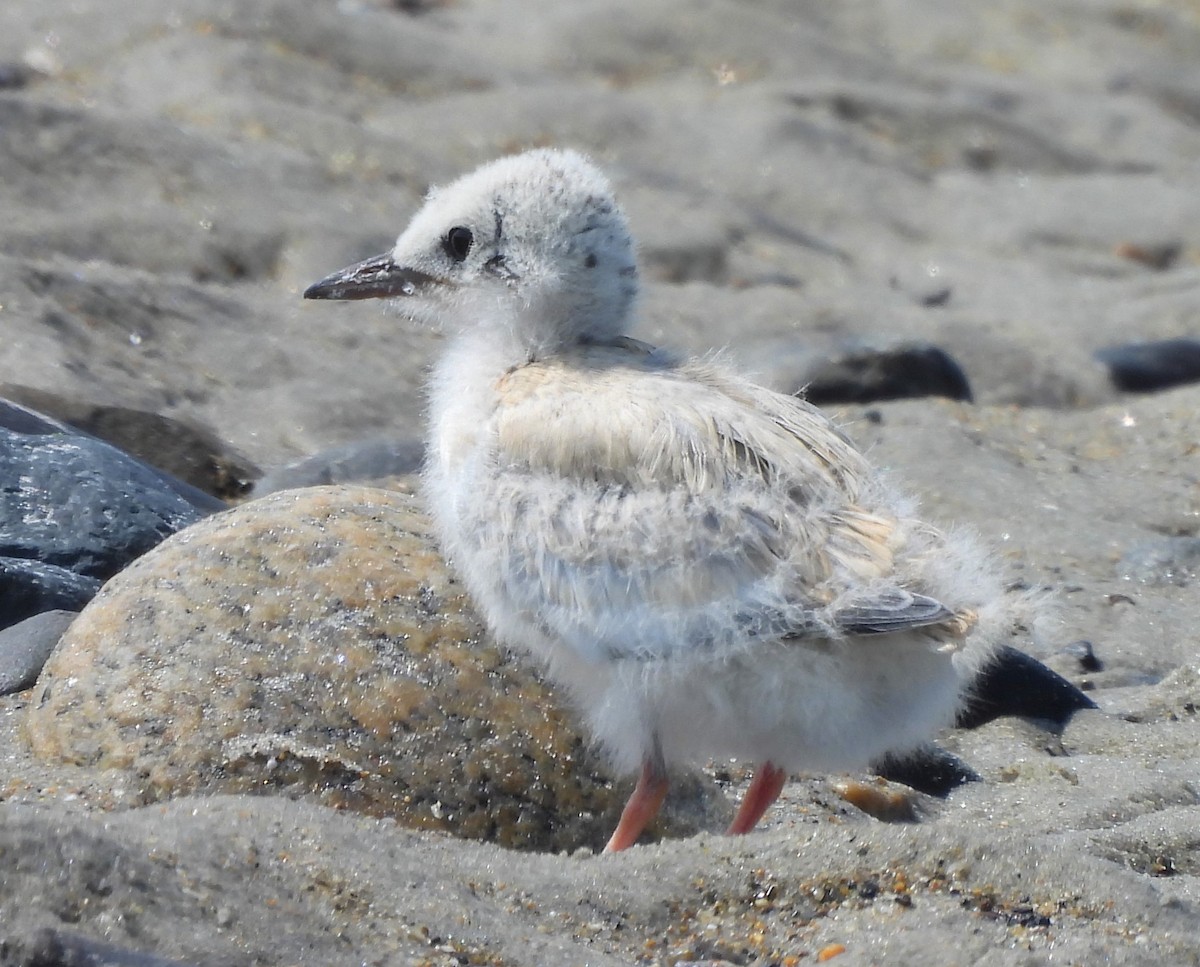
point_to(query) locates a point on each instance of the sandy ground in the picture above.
(1014, 182)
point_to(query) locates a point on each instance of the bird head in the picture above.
(532, 245)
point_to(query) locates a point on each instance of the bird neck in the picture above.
(501, 345)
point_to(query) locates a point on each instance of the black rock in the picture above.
(904, 371)
(1146, 366)
(930, 769)
(25, 647)
(29, 587)
(1016, 684)
(74, 511)
(81, 504)
(31, 422)
(21, 419)
(191, 453)
(194, 454)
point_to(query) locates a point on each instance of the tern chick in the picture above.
(710, 568)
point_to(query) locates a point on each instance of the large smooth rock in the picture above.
(312, 642)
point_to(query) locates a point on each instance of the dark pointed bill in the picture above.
(374, 278)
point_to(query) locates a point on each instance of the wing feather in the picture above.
(678, 507)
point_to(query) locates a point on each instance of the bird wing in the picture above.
(639, 507)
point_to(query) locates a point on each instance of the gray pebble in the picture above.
(24, 648)
(366, 460)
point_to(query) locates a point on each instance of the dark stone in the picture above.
(25, 647)
(14, 76)
(23, 420)
(1016, 684)
(81, 504)
(29, 587)
(20, 419)
(368, 460)
(1142, 367)
(905, 371)
(192, 453)
(74, 511)
(1083, 652)
(929, 769)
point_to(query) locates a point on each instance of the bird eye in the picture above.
(457, 243)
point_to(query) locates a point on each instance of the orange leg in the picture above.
(764, 789)
(643, 805)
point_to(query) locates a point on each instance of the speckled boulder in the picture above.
(312, 642)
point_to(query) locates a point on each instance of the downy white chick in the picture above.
(710, 568)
